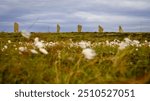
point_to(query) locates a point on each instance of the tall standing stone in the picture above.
(120, 29)
(16, 27)
(100, 29)
(79, 28)
(58, 28)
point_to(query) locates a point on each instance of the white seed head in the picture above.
(84, 44)
(127, 40)
(122, 45)
(5, 47)
(9, 41)
(44, 51)
(39, 44)
(33, 51)
(22, 49)
(89, 53)
(136, 49)
(36, 39)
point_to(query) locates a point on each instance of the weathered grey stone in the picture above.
(58, 28)
(79, 28)
(120, 29)
(100, 29)
(16, 27)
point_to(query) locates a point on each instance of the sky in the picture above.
(44, 15)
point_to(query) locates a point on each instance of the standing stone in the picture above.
(58, 28)
(100, 29)
(120, 29)
(16, 27)
(79, 28)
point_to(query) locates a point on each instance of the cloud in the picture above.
(107, 18)
(128, 4)
(69, 13)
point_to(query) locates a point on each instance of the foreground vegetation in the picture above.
(63, 58)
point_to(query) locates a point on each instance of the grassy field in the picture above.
(78, 58)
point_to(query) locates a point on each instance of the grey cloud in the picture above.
(69, 13)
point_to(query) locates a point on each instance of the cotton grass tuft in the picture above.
(89, 53)
(22, 49)
(33, 51)
(44, 51)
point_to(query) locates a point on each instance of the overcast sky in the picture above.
(43, 15)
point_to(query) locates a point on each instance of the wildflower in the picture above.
(71, 45)
(5, 47)
(122, 45)
(33, 51)
(136, 43)
(115, 40)
(146, 41)
(127, 40)
(107, 43)
(22, 49)
(51, 44)
(89, 53)
(42, 50)
(38, 43)
(84, 44)
(25, 34)
(36, 39)
(9, 41)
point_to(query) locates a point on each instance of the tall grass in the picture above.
(65, 64)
